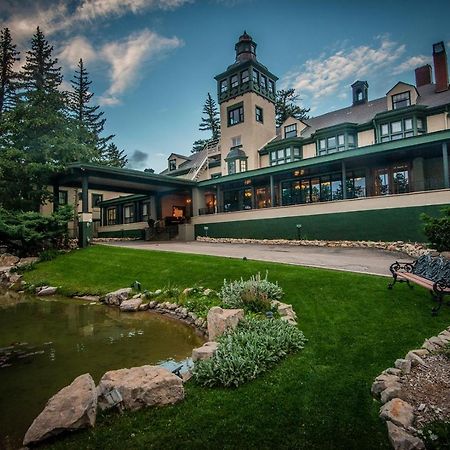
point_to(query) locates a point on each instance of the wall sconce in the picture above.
(188, 201)
(206, 231)
(299, 231)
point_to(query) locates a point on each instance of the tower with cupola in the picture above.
(246, 94)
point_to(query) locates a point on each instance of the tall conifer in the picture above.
(8, 77)
(210, 120)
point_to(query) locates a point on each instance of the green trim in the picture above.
(238, 68)
(122, 234)
(342, 127)
(400, 113)
(123, 199)
(404, 144)
(381, 224)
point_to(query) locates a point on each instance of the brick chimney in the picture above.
(440, 67)
(423, 75)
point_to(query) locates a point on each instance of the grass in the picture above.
(318, 399)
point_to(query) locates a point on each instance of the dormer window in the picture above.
(401, 100)
(172, 164)
(290, 131)
(336, 143)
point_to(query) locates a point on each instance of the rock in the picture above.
(421, 352)
(437, 341)
(220, 320)
(72, 408)
(131, 305)
(206, 351)
(187, 291)
(392, 391)
(152, 304)
(137, 296)
(382, 382)
(399, 412)
(401, 440)
(143, 307)
(158, 292)
(27, 261)
(415, 359)
(87, 298)
(403, 364)
(186, 376)
(8, 260)
(444, 336)
(48, 290)
(141, 386)
(289, 320)
(207, 292)
(428, 345)
(117, 297)
(284, 310)
(393, 371)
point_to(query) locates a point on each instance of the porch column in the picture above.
(55, 196)
(158, 206)
(197, 201)
(85, 218)
(219, 201)
(272, 192)
(445, 165)
(344, 181)
(418, 174)
(85, 194)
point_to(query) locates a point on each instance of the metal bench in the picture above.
(430, 272)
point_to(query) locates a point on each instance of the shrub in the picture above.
(436, 435)
(254, 294)
(30, 233)
(249, 350)
(437, 230)
(199, 304)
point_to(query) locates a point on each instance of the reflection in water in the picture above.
(45, 344)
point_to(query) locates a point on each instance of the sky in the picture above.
(152, 62)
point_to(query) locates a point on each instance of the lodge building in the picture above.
(366, 171)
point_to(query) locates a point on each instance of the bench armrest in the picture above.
(402, 266)
(441, 286)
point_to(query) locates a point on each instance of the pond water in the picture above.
(45, 344)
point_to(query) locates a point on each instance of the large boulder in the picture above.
(141, 386)
(401, 440)
(47, 290)
(117, 297)
(206, 351)
(131, 305)
(73, 407)
(8, 260)
(399, 412)
(221, 320)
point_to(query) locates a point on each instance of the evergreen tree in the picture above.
(210, 120)
(115, 157)
(285, 106)
(149, 170)
(85, 115)
(198, 145)
(8, 77)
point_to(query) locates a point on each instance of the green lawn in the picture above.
(318, 399)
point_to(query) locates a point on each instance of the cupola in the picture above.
(245, 48)
(360, 91)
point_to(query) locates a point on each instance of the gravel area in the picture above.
(427, 389)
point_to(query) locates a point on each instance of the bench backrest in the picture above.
(433, 268)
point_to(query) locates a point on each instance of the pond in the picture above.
(45, 344)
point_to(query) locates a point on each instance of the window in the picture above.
(234, 81)
(285, 155)
(128, 213)
(290, 131)
(235, 115)
(400, 129)
(231, 167)
(243, 165)
(259, 114)
(235, 141)
(420, 126)
(351, 138)
(271, 87)
(96, 199)
(263, 82)
(401, 100)
(111, 216)
(400, 178)
(337, 143)
(172, 164)
(146, 211)
(223, 86)
(322, 145)
(255, 76)
(245, 78)
(331, 143)
(62, 198)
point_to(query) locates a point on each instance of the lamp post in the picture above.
(206, 231)
(299, 231)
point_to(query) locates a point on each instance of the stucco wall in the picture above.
(309, 150)
(401, 87)
(366, 138)
(437, 122)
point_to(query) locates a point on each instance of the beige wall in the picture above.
(309, 150)
(177, 159)
(173, 200)
(439, 197)
(401, 87)
(366, 138)
(437, 122)
(254, 135)
(291, 121)
(124, 226)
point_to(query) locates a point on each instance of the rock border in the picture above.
(414, 250)
(387, 388)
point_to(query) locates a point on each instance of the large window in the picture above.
(259, 114)
(271, 87)
(231, 167)
(263, 81)
(290, 131)
(243, 165)
(223, 86)
(235, 115)
(401, 100)
(285, 155)
(336, 143)
(128, 213)
(400, 129)
(255, 76)
(234, 81)
(111, 216)
(62, 198)
(245, 78)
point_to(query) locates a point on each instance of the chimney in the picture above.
(440, 67)
(423, 75)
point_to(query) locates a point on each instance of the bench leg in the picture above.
(391, 285)
(436, 309)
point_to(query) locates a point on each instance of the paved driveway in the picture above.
(348, 259)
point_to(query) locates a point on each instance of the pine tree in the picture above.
(114, 157)
(87, 116)
(8, 77)
(210, 120)
(285, 106)
(198, 145)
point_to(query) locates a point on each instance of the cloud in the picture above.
(412, 63)
(127, 57)
(78, 47)
(138, 160)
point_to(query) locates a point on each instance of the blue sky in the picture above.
(153, 62)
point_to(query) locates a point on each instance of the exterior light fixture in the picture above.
(299, 231)
(206, 231)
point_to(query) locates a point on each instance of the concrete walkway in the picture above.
(370, 261)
